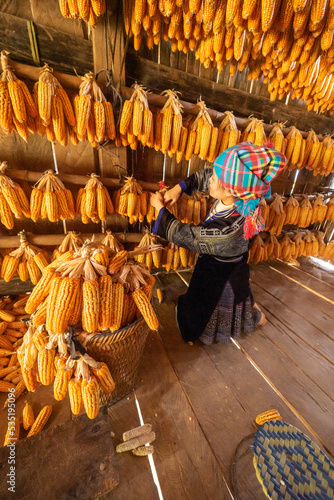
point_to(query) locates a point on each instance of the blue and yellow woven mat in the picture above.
(289, 465)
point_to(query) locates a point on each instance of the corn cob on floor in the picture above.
(201, 401)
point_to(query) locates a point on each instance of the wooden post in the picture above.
(108, 53)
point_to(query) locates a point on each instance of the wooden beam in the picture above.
(27, 72)
(80, 180)
(221, 97)
(60, 50)
(56, 239)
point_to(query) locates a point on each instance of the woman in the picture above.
(219, 302)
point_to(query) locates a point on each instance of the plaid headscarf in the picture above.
(246, 171)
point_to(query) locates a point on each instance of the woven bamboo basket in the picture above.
(122, 352)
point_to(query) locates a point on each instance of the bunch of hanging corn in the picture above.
(192, 209)
(203, 136)
(322, 245)
(273, 247)
(313, 151)
(264, 210)
(311, 244)
(55, 113)
(299, 248)
(36, 358)
(254, 132)
(277, 216)
(288, 248)
(94, 114)
(329, 251)
(326, 163)
(83, 378)
(306, 213)
(135, 281)
(295, 149)
(169, 125)
(276, 136)
(330, 210)
(71, 241)
(51, 200)
(112, 243)
(149, 258)
(13, 200)
(258, 251)
(175, 257)
(228, 135)
(17, 107)
(319, 209)
(137, 120)
(93, 201)
(292, 211)
(27, 261)
(131, 200)
(83, 10)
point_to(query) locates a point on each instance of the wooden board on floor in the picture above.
(290, 310)
(306, 266)
(74, 460)
(314, 308)
(226, 394)
(319, 280)
(186, 465)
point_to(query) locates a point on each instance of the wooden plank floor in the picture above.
(202, 400)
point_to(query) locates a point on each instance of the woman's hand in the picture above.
(157, 200)
(172, 195)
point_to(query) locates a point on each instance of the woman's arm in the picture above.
(223, 240)
(199, 181)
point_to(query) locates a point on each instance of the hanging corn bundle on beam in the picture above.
(83, 10)
(294, 148)
(254, 132)
(329, 251)
(137, 119)
(93, 201)
(319, 209)
(306, 213)
(258, 250)
(27, 261)
(51, 200)
(273, 247)
(276, 216)
(276, 136)
(311, 244)
(13, 200)
(175, 257)
(134, 280)
(264, 207)
(292, 210)
(55, 112)
(299, 245)
(228, 135)
(330, 210)
(287, 248)
(71, 242)
(94, 114)
(17, 107)
(169, 126)
(149, 258)
(131, 200)
(324, 165)
(321, 243)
